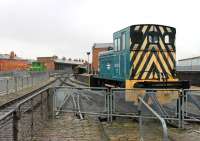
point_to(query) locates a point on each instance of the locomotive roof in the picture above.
(152, 25)
(147, 25)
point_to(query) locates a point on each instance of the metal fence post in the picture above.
(22, 82)
(184, 107)
(41, 106)
(15, 84)
(32, 80)
(180, 109)
(140, 119)
(15, 126)
(111, 105)
(54, 103)
(26, 81)
(107, 105)
(7, 86)
(31, 119)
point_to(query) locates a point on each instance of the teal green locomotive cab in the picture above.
(114, 64)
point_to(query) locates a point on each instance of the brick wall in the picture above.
(48, 62)
(12, 65)
(95, 58)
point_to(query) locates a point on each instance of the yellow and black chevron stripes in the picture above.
(152, 61)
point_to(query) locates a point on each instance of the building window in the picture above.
(123, 41)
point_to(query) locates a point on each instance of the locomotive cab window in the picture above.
(118, 44)
(153, 38)
(115, 43)
(136, 37)
(123, 41)
(169, 38)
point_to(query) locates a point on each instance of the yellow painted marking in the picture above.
(137, 27)
(162, 44)
(155, 29)
(152, 59)
(131, 55)
(169, 59)
(165, 53)
(140, 52)
(164, 64)
(144, 29)
(161, 29)
(151, 76)
(142, 63)
(169, 29)
(131, 67)
(156, 75)
(151, 28)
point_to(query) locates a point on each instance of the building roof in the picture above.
(191, 58)
(72, 62)
(102, 45)
(7, 56)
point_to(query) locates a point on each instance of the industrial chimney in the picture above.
(12, 55)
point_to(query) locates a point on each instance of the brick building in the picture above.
(54, 63)
(48, 62)
(10, 62)
(96, 49)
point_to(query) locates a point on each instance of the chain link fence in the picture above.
(31, 114)
(190, 108)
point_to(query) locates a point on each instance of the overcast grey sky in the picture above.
(70, 27)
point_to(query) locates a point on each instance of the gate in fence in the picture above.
(81, 100)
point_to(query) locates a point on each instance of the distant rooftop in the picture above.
(102, 45)
(189, 58)
(12, 55)
(74, 62)
(63, 60)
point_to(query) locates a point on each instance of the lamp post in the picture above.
(88, 54)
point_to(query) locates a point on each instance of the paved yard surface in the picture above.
(128, 130)
(69, 128)
(122, 130)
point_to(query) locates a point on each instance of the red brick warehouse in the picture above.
(10, 62)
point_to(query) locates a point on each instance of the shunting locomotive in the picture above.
(144, 56)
